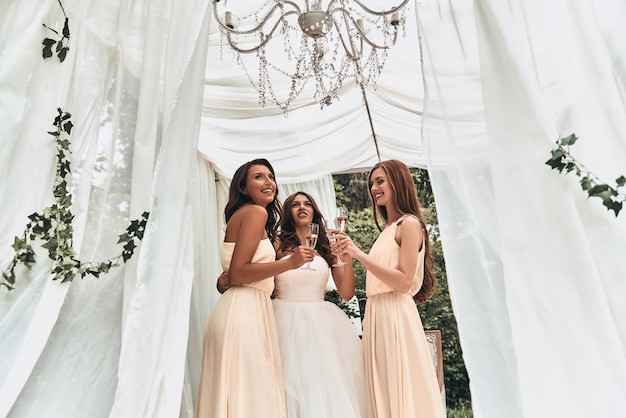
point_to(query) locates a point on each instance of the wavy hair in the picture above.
(406, 200)
(288, 238)
(238, 198)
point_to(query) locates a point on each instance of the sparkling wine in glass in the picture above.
(341, 220)
(311, 240)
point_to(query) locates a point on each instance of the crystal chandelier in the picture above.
(283, 44)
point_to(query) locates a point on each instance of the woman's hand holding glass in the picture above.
(343, 245)
(301, 255)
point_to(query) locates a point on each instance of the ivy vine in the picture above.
(561, 160)
(53, 225)
(61, 43)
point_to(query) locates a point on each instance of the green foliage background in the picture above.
(352, 191)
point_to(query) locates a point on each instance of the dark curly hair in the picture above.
(288, 238)
(237, 197)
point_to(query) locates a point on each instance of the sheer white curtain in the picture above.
(534, 267)
(132, 81)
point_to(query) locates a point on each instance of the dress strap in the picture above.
(403, 217)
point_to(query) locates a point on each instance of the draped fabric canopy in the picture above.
(477, 92)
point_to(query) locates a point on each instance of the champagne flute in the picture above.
(341, 220)
(311, 240)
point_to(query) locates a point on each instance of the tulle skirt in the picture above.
(322, 360)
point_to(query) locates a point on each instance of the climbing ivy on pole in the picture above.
(561, 160)
(53, 225)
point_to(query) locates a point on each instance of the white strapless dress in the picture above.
(321, 354)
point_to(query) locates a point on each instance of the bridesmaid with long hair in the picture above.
(241, 368)
(399, 373)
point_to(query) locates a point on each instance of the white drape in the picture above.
(534, 267)
(536, 270)
(132, 81)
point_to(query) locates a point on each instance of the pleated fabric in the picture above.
(400, 376)
(241, 368)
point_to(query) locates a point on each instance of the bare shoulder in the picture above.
(248, 217)
(410, 222)
(409, 228)
(250, 214)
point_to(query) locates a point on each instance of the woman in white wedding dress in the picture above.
(320, 351)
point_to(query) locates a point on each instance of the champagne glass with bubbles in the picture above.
(311, 240)
(341, 220)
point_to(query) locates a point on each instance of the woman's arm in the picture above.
(247, 228)
(409, 238)
(344, 280)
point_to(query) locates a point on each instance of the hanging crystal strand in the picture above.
(286, 39)
(263, 76)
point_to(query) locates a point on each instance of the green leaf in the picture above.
(59, 46)
(49, 42)
(62, 53)
(570, 167)
(19, 244)
(597, 189)
(555, 163)
(51, 245)
(123, 238)
(67, 127)
(130, 246)
(616, 207)
(621, 181)
(558, 153)
(48, 27)
(66, 28)
(587, 183)
(134, 225)
(47, 52)
(569, 140)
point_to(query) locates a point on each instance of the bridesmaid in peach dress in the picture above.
(399, 372)
(241, 369)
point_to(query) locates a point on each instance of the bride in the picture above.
(320, 351)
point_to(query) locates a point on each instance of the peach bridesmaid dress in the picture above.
(242, 375)
(399, 372)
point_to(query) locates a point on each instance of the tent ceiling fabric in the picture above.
(335, 139)
(536, 270)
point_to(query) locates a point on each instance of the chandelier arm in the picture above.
(263, 21)
(266, 39)
(381, 13)
(365, 38)
(349, 51)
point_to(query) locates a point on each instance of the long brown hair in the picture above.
(288, 238)
(406, 201)
(237, 197)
